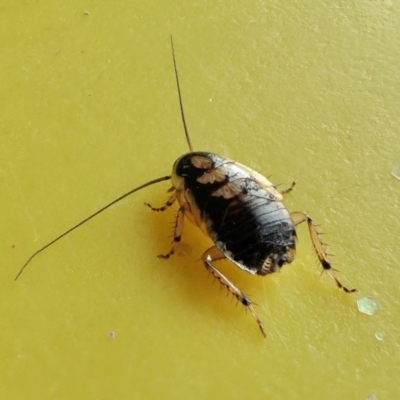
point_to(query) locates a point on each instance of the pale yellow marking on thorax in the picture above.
(201, 162)
(214, 175)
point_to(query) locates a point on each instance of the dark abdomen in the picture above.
(250, 228)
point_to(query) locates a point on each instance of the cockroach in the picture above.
(240, 210)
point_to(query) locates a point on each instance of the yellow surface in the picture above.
(89, 110)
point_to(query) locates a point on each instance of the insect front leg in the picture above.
(168, 204)
(298, 217)
(214, 254)
(178, 229)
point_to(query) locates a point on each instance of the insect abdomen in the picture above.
(252, 230)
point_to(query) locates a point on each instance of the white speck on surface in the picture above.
(396, 171)
(368, 305)
(372, 397)
(380, 336)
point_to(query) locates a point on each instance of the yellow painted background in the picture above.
(89, 110)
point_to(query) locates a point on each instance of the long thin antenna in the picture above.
(189, 142)
(164, 178)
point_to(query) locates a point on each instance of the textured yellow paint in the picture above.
(89, 110)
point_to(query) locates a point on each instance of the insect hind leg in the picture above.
(300, 216)
(214, 254)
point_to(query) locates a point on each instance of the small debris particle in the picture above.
(368, 305)
(111, 335)
(396, 171)
(372, 397)
(86, 12)
(380, 336)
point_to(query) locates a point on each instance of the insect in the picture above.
(238, 208)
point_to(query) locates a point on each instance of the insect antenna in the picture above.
(164, 178)
(189, 142)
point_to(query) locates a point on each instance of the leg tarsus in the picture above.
(339, 284)
(288, 190)
(168, 204)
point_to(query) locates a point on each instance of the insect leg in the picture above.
(214, 254)
(178, 229)
(288, 190)
(168, 204)
(298, 217)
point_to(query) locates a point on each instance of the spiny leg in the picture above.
(168, 204)
(178, 229)
(298, 217)
(288, 190)
(214, 254)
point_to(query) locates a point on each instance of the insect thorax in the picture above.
(241, 214)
